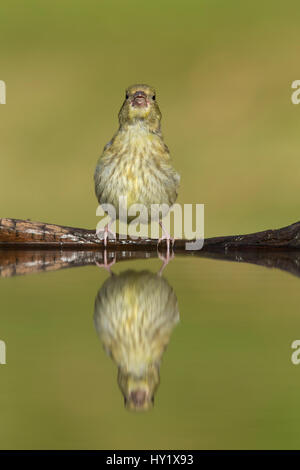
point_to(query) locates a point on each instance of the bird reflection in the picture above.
(135, 313)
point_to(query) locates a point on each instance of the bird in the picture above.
(136, 162)
(134, 315)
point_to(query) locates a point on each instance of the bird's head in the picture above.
(139, 392)
(140, 105)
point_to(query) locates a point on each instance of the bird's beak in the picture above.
(139, 99)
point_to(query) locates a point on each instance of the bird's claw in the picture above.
(169, 240)
(165, 236)
(105, 234)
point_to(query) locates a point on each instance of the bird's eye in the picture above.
(153, 97)
(127, 96)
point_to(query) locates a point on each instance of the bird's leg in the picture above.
(165, 236)
(105, 233)
(106, 265)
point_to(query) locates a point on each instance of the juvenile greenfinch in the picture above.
(136, 163)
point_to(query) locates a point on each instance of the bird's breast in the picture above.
(137, 166)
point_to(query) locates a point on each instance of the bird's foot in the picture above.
(169, 240)
(170, 243)
(105, 263)
(103, 233)
(166, 236)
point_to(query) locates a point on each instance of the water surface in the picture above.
(211, 340)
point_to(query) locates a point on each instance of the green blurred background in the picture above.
(223, 72)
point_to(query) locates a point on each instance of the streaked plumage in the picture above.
(136, 163)
(135, 313)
